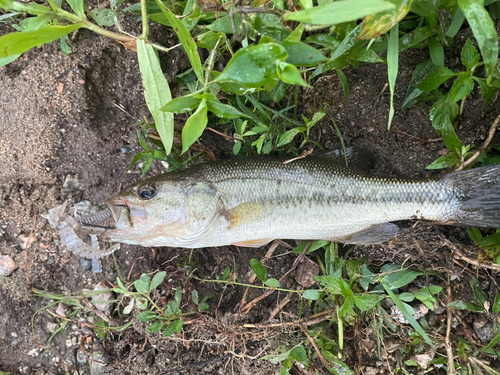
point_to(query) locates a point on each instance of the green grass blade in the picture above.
(407, 316)
(484, 31)
(20, 42)
(156, 92)
(392, 66)
(186, 40)
(338, 12)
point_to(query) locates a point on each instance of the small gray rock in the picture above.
(7, 265)
(86, 264)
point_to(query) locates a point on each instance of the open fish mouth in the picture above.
(105, 219)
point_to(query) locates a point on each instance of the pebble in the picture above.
(103, 297)
(51, 326)
(72, 182)
(51, 260)
(484, 329)
(63, 309)
(124, 149)
(86, 264)
(7, 265)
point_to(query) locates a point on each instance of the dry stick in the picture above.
(26, 253)
(474, 262)
(447, 342)
(325, 315)
(280, 306)
(322, 358)
(268, 255)
(100, 314)
(229, 137)
(299, 260)
(483, 147)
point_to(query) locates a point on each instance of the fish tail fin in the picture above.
(478, 191)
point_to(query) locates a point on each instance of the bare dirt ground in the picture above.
(59, 117)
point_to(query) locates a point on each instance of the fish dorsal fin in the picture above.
(374, 234)
(360, 159)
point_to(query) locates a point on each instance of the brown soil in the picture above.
(79, 130)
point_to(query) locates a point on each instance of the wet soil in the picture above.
(77, 116)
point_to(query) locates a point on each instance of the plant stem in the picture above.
(230, 282)
(145, 25)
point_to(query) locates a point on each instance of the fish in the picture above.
(250, 201)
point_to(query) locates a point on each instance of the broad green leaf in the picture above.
(279, 91)
(7, 60)
(378, 24)
(35, 23)
(223, 24)
(487, 92)
(413, 92)
(185, 38)
(436, 51)
(224, 110)
(157, 280)
(365, 55)
(475, 234)
(441, 115)
(156, 92)
(484, 31)
(461, 88)
(474, 307)
(407, 297)
(458, 20)
(194, 297)
(436, 78)
(347, 308)
(324, 40)
(312, 294)
(407, 316)
(20, 42)
(338, 12)
(154, 327)
(146, 316)
(288, 73)
(399, 279)
(458, 305)
(299, 354)
(65, 45)
(104, 17)
(469, 55)
(142, 284)
(445, 161)
(347, 43)
(289, 135)
(254, 65)
(259, 269)
(495, 308)
(182, 104)
(338, 63)
(77, 6)
(392, 66)
(296, 35)
(272, 282)
(301, 54)
(30, 8)
(174, 327)
(335, 285)
(317, 244)
(366, 302)
(194, 127)
(209, 39)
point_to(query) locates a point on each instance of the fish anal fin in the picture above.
(374, 234)
(245, 213)
(252, 243)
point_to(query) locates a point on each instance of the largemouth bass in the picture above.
(251, 201)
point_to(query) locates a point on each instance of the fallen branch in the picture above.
(447, 342)
(483, 147)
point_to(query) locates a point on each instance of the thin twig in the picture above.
(325, 315)
(486, 143)
(302, 156)
(229, 137)
(447, 342)
(26, 253)
(322, 358)
(474, 262)
(299, 260)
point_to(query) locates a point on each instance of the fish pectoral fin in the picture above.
(252, 243)
(374, 234)
(245, 213)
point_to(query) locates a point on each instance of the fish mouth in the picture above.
(115, 206)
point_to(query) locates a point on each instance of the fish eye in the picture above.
(146, 191)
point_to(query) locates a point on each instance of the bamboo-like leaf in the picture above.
(77, 6)
(20, 42)
(195, 125)
(338, 12)
(378, 24)
(156, 92)
(185, 38)
(392, 66)
(484, 31)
